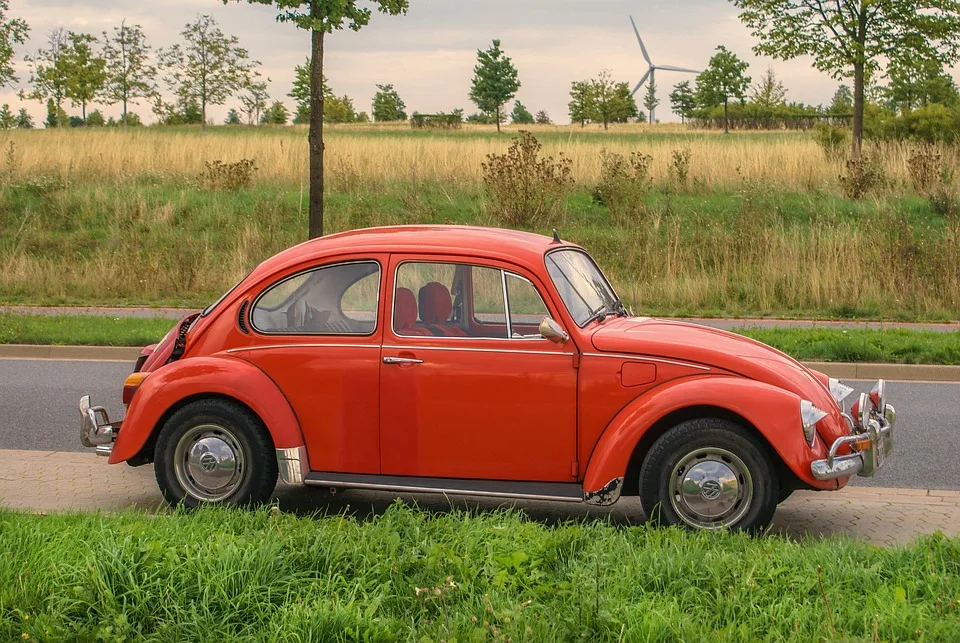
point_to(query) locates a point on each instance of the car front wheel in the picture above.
(215, 452)
(709, 473)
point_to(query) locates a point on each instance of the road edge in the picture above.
(848, 371)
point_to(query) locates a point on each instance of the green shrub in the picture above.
(832, 140)
(863, 176)
(526, 189)
(453, 120)
(228, 176)
(623, 184)
(680, 167)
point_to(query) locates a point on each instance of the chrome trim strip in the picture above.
(272, 346)
(293, 465)
(474, 350)
(316, 482)
(506, 304)
(105, 450)
(647, 359)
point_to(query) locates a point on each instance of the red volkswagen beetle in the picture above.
(479, 362)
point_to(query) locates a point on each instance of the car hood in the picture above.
(718, 349)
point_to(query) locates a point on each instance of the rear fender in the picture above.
(199, 376)
(772, 411)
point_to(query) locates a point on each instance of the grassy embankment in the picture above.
(409, 575)
(760, 227)
(813, 344)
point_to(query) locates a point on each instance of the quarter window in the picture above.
(333, 300)
(462, 300)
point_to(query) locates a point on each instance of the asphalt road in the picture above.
(38, 411)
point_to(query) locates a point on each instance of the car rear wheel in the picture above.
(215, 452)
(709, 473)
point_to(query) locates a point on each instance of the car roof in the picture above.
(524, 248)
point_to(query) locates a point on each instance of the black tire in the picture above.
(229, 428)
(728, 480)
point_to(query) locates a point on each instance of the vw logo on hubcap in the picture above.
(208, 462)
(710, 489)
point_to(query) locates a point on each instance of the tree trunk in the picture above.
(858, 102)
(203, 114)
(316, 132)
(726, 120)
(83, 111)
(497, 116)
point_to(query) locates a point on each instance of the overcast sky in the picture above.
(429, 54)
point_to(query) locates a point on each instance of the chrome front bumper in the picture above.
(873, 440)
(96, 430)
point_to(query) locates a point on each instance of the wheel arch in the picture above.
(766, 411)
(631, 484)
(170, 388)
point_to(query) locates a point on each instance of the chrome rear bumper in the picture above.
(875, 442)
(96, 430)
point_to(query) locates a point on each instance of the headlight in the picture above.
(809, 416)
(839, 390)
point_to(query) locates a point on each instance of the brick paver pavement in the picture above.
(45, 481)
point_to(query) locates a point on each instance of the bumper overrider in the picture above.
(96, 430)
(870, 441)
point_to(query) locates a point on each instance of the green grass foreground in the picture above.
(893, 346)
(409, 575)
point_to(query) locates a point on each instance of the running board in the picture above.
(554, 491)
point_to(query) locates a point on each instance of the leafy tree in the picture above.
(723, 79)
(86, 70)
(918, 83)
(683, 101)
(95, 119)
(852, 38)
(495, 81)
(49, 75)
(603, 91)
(301, 92)
(387, 105)
(130, 76)
(322, 17)
(339, 109)
(582, 101)
(254, 98)
(543, 118)
(56, 117)
(650, 100)
(7, 119)
(521, 115)
(24, 119)
(276, 114)
(625, 105)
(208, 67)
(13, 31)
(186, 111)
(842, 102)
(233, 118)
(769, 92)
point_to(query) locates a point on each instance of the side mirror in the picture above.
(549, 329)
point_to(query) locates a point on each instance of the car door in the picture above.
(468, 389)
(316, 332)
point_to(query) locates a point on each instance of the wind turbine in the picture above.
(652, 72)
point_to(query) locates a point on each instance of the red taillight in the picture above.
(130, 386)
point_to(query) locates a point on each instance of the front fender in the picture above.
(773, 411)
(216, 375)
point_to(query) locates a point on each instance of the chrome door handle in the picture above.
(401, 360)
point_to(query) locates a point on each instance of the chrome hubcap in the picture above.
(209, 463)
(710, 489)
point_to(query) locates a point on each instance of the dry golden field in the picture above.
(377, 154)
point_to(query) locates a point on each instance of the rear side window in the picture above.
(332, 300)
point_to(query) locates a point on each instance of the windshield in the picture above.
(582, 287)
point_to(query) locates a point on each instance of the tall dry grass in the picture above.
(375, 155)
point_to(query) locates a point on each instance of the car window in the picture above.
(331, 300)
(449, 300)
(582, 287)
(526, 306)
